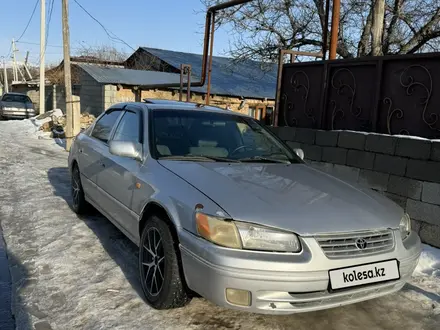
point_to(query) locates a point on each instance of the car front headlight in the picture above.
(241, 235)
(405, 226)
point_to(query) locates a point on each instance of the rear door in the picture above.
(117, 180)
(91, 150)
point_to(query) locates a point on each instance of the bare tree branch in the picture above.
(260, 28)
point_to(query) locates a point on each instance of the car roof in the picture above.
(14, 93)
(160, 104)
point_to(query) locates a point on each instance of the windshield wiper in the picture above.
(200, 158)
(261, 159)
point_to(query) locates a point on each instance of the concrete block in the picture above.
(413, 148)
(416, 225)
(312, 152)
(405, 187)
(423, 170)
(327, 138)
(383, 144)
(361, 159)
(293, 145)
(352, 140)
(390, 164)
(431, 193)
(435, 151)
(423, 211)
(399, 200)
(346, 173)
(334, 155)
(305, 135)
(430, 234)
(286, 133)
(324, 167)
(374, 180)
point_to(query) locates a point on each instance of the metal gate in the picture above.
(391, 95)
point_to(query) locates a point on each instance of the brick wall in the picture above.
(127, 95)
(406, 170)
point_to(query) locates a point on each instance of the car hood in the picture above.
(292, 197)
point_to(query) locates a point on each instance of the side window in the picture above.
(104, 125)
(128, 128)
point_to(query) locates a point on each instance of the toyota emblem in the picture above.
(361, 243)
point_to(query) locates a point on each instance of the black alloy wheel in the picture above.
(160, 273)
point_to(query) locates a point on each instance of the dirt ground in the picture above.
(81, 273)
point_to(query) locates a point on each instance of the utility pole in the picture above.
(335, 28)
(42, 57)
(26, 65)
(71, 117)
(5, 76)
(14, 62)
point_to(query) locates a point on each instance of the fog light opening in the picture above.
(238, 297)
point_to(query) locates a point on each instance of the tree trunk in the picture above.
(377, 28)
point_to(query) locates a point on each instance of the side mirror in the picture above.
(299, 152)
(127, 149)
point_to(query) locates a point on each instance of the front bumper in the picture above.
(18, 114)
(285, 283)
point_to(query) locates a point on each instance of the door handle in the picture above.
(102, 164)
(80, 150)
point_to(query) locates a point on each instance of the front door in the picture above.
(91, 149)
(117, 180)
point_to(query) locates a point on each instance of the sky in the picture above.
(167, 24)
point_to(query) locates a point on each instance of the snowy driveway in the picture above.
(71, 273)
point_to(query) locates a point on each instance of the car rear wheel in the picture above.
(160, 277)
(79, 204)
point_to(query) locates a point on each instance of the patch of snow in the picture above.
(429, 262)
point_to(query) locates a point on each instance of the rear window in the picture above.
(16, 98)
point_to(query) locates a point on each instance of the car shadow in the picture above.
(123, 251)
(430, 295)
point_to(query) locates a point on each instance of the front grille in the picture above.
(339, 246)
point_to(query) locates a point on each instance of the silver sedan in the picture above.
(219, 206)
(16, 106)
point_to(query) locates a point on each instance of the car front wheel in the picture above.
(160, 276)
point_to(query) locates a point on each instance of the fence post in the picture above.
(377, 105)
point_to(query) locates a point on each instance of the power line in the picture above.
(51, 5)
(47, 45)
(49, 10)
(30, 19)
(110, 34)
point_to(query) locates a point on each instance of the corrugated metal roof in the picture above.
(245, 78)
(112, 75)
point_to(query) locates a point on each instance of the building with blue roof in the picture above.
(246, 86)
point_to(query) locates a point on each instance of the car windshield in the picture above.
(16, 98)
(208, 136)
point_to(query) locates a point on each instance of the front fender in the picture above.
(173, 194)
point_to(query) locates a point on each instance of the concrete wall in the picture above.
(406, 170)
(54, 96)
(91, 95)
(33, 91)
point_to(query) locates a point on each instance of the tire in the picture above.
(161, 280)
(79, 204)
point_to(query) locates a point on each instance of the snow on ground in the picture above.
(429, 262)
(81, 273)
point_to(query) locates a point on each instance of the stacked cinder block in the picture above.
(405, 169)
